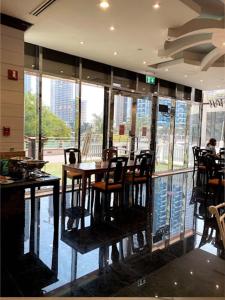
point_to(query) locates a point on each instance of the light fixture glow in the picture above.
(185, 76)
(115, 53)
(104, 4)
(156, 5)
(82, 42)
(166, 70)
(217, 286)
(223, 44)
(112, 28)
(191, 272)
(144, 62)
(175, 283)
(201, 80)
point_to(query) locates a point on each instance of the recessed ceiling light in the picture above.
(104, 4)
(112, 28)
(61, 71)
(156, 5)
(115, 53)
(166, 70)
(82, 42)
(201, 80)
(144, 62)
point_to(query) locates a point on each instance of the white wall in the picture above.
(12, 92)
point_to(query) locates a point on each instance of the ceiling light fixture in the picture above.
(144, 62)
(115, 53)
(156, 5)
(104, 4)
(166, 70)
(201, 80)
(81, 42)
(112, 28)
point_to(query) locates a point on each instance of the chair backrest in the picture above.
(219, 212)
(196, 152)
(143, 165)
(147, 151)
(222, 153)
(116, 171)
(72, 155)
(109, 153)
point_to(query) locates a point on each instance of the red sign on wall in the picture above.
(121, 129)
(13, 74)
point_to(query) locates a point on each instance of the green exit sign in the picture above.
(150, 79)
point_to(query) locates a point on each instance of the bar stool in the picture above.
(113, 183)
(141, 175)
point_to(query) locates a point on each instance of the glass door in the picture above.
(180, 133)
(143, 123)
(131, 123)
(164, 136)
(122, 120)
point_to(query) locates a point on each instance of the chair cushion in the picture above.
(71, 174)
(102, 186)
(216, 181)
(137, 179)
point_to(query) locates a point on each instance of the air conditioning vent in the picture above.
(40, 8)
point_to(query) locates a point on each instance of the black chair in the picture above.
(73, 156)
(113, 183)
(141, 175)
(109, 153)
(222, 157)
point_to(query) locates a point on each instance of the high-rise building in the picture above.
(62, 101)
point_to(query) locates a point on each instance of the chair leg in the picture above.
(141, 193)
(72, 198)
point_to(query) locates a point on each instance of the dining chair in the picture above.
(109, 153)
(113, 183)
(73, 156)
(141, 175)
(219, 212)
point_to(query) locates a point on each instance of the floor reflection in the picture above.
(106, 259)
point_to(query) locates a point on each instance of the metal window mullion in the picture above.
(187, 136)
(40, 146)
(172, 134)
(79, 104)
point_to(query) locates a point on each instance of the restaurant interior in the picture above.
(112, 148)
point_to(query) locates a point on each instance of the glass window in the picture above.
(194, 132)
(31, 86)
(59, 120)
(180, 134)
(92, 109)
(213, 119)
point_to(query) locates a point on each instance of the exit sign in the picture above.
(150, 79)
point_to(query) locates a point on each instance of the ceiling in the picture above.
(139, 36)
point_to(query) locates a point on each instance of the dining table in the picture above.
(85, 169)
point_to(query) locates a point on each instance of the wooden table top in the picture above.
(92, 166)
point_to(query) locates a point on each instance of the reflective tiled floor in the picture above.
(145, 250)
